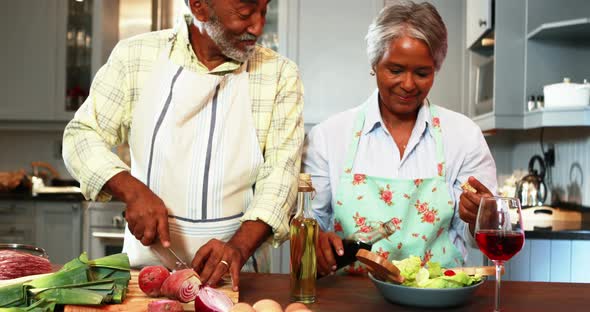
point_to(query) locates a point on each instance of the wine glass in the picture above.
(499, 232)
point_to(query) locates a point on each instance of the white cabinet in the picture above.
(59, 229)
(544, 260)
(479, 20)
(38, 63)
(28, 62)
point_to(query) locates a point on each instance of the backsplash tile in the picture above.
(569, 178)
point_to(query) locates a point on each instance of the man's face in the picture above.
(235, 25)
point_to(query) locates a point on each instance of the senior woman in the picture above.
(398, 157)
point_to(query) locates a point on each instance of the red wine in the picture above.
(499, 246)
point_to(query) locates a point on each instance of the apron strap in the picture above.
(358, 132)
(356, 137)
(437, 133)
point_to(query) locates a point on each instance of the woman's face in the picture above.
(405, 75)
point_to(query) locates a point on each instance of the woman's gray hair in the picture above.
(419, 21)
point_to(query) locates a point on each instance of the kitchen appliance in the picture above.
(549, 218)
(484, 88)
(567, 94)
(103, 228)
(531, 189)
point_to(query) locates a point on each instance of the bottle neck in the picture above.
(303, 208)
(382, 231)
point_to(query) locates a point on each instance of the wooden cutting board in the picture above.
(137, 301)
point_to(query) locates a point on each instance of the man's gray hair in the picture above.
(419, 21)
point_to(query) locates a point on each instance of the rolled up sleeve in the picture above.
(480, 164)
(100, 124)
(276, 183)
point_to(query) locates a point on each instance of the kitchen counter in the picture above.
(75, 197)
(564, 230)
(339, 293)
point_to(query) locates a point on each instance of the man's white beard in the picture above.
(218, 34)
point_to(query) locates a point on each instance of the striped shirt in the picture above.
(104, 120)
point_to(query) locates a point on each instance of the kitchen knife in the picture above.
(168, 257)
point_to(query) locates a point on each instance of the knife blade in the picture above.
(168, 257)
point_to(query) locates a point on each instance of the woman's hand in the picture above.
(469, 202)
(325, 253)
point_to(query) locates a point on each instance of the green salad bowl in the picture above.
(425, 297)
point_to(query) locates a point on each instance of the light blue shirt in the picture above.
(465, 149)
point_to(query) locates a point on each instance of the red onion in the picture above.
(182, 285)
(210, 299)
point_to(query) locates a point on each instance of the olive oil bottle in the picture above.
(304, 237)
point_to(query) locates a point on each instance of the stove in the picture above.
(103, 228)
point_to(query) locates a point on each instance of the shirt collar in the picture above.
(374, 121)
(181, 41)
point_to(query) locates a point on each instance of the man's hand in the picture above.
(325, 254)
(146, 214)
(469, 202)
(216, 258)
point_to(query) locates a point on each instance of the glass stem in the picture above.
(499, 266)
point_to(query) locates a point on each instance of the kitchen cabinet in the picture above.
(556, 47)
(546, 260)
(59, 229)
(507, 55)
(29, 55)
(536, 43)
(49, 58)
(16, 222)
(478, 20)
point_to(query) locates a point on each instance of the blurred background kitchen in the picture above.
(518, 68)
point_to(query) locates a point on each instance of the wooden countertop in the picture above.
(340, 293)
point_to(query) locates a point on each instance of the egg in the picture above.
(295, 307)
(242, 307)
(267, 305)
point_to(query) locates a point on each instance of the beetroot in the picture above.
(182, 285)
(151, 279)
(165, 305)
(14, 264)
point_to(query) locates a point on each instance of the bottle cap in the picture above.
(305, 183)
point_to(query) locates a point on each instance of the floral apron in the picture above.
(421, 209)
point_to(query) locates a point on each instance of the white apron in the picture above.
(193, 143)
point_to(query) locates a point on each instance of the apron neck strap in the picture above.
(358, 132)
(435, 130)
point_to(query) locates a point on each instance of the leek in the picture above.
(80, 281)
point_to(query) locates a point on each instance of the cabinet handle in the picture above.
(482, 22)
(108, 235)
(9, 209)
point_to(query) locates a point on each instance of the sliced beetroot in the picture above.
(151, 279)
(182, 285)
(165, 305)
(14, 264)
